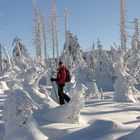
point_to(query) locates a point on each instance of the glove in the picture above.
(52, 79)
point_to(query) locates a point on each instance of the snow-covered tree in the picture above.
(44, 34)
(70, 112)
(17, 114)
(103, 69)
(91, 56)
(101, 63)
(76, 57)
(93, 91)
(5, 62)
(54, 32)
(20, 56)
(124, 85)
(29, 80)
(37, 32)
(136, 36)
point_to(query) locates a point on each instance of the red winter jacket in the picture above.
(61, 75)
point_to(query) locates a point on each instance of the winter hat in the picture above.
(60, 63)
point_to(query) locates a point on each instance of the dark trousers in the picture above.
(62, 95)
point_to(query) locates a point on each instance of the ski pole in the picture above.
(55, 92)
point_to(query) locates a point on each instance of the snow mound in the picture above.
(135, 135)
(16, 102)
(69, 112)
(29, 131)
(17, 115)
(98, 130)
(3, 87)
(106, 125)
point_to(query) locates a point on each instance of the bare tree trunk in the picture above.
(123, 26)
(54, 33)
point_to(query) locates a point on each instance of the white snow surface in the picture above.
(99, 120)
(27, 112)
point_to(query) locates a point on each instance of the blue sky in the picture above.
(88, 19)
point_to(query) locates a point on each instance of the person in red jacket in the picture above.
(61, 76)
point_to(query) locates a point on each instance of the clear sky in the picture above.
(88, 19)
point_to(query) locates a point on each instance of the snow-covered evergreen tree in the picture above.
(101, 63)
(20, 56)
(17, 114)
(76, 57)
(29, 80)
(103, 69)
(93, 91)
(69, 112)
(91, 56)
(124, 85)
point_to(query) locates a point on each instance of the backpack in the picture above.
(68, 76)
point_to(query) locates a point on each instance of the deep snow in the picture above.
(99, 119)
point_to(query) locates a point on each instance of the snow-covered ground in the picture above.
(99, 120)
(29, 109)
